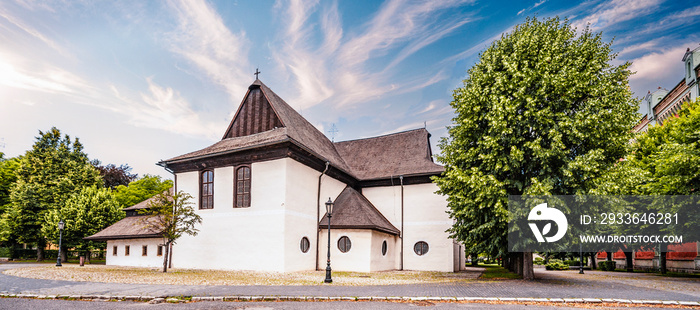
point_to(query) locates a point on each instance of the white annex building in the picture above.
(261, 191)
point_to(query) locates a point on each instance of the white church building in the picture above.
(261, 191)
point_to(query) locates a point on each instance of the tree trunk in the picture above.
(527, 270)
(87, 256)
(40, 250)
(662, 258)
(610, 256)
(594, 256)
(165, 257)
(628, 261)
(475, 259)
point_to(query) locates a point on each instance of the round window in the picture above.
(421, 247)
(344, 244)
(384, 247)
(304, 245)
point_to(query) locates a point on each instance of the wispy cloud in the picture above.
(344, 67)
(655, 66)
(204, 40)
(532, 7)
(11, 20)
(609, 13)
(163, 108)
(37, 76)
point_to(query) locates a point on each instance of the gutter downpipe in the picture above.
(318, 211)
(401, 179)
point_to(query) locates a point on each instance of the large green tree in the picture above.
(664, 161)
(8, 177)
(85, 213)
(543, 112)
(54, 169)
(141, 189)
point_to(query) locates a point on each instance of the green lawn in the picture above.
(496, 272)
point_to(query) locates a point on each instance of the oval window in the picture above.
(304, 245)
(344, 244)
(421, 247)
(384, 247)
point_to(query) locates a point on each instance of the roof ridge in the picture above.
(385, 135)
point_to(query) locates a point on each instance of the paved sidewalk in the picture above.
(550, 284)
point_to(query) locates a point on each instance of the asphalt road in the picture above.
(21, 303)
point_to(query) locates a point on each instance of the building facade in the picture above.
(261, 193)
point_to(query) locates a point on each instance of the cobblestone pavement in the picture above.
(549, 284)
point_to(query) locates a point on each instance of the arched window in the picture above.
(384, 248)
(242, 192)
(421, 247)
(206, 190)
(344, 244)
(304, 245)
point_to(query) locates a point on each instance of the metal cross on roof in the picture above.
(333, 131)
(256, 73)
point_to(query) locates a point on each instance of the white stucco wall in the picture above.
(425, 219)
(237, 238)
(379, 262)
(267, 235)
(135, 257)
(301, 212)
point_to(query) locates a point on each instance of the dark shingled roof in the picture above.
(403, 153)
(130, 227)
(296, 129)
(352, 210)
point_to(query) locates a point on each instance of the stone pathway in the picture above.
(557, 286)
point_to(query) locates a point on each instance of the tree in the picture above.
(85, 213)
(663, 162)
(140, 190)
(543, 112)
(8, 176)
(172, 215)
(114, 176)
(55, 168)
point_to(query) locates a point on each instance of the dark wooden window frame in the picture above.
(126, 250)
(114, 250)
(202, 196)
(344, 244)
(304, 245)
(144, 250)
(421, 248)
(160, 250)
(235, 186)
(385, 248)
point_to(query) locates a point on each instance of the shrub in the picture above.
(539, 261)
(571, 262)
(556, 265)
(607, 265)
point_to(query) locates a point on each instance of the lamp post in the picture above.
(61, 225)
(329, 211)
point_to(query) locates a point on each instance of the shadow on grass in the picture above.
(496, 272)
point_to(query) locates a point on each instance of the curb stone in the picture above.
(177, 299)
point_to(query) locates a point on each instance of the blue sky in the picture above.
(141, 81)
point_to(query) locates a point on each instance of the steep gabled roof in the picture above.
(352, 210)
(263, 118)
(404, 153)
(131, 227)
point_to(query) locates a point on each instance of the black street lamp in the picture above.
(61, 225)
(329, 211)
